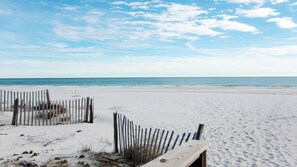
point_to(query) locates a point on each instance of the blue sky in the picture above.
(103, 38)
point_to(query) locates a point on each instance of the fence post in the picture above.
(91, 112)
(15, 112)
(115, 126)
(199, 132)
(201, 161)
(87, 109)
(48, 99)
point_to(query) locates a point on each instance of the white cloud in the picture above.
(172, 21)
(6, 10)
(227, 17)
(228, 25)
(180, 30)
(257, 1)
(278, 1)
(258, 12)
(58, 44)
(173, 12)
(186, 11)
(183, 21)
(175, 21)
(294, 4)
(246, 1)
(250, 61)
(134, 5)
(68, 8)
(92, 17)
(272, 61)
(284, 22)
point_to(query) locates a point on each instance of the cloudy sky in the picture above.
(104, 38)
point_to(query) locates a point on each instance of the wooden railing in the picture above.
(190, 154)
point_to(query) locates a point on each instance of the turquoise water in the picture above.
(174, 81)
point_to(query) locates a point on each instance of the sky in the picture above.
(149, 38)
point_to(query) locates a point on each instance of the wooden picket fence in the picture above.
(7, 97)
(38, 112)
(141, 145)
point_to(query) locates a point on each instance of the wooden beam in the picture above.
(183, 156)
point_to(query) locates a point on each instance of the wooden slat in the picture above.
(136, 144)
(28, 108)
(87, 109)
(76, 112)
(79, 110)
(42, 107)
(146, 144)
(20, 109)
(128, 134)
(169, 141)
(69, 111)
(132, 134)
(163, 147)
(46, 110)
(91, 111)
(58, 111)
(182, 139)
(199, 131)
(188, 137)
(39, 106)
(21, 112)
(140, 145)
(4, 101)
(48, 98)
(24, 108)
(119, 132)
(64, 113)
(1, 100)
(160, 141)
(151, 146)
(155, 145)
(125, 135)
(138, 137)
(11, 101)
(183, 156)
(175, 142)
(33, 109)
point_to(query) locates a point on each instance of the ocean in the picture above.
(156, 81)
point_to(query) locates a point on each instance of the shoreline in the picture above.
(194, 89)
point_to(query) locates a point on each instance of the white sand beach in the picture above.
(247, 126)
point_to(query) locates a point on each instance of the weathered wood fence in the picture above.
(7, 97)
(36, 111)
(141, 145)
